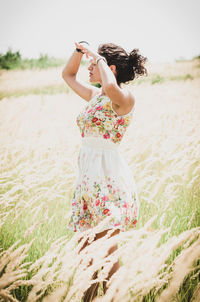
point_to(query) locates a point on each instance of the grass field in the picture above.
(160, 259)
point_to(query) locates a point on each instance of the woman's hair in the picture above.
(128, 66)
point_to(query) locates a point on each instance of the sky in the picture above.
(163, 30)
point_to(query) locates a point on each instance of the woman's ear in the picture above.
(113, 68)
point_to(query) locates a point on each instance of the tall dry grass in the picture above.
(39, 147)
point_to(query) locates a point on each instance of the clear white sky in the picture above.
(163, 30)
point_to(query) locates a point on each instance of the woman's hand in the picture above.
(79, 46)
(88, 51)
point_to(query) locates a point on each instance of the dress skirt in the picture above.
(104, 187)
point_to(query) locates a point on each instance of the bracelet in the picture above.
(102, 58)
(78, 49)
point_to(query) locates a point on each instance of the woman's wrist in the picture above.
(78, 49)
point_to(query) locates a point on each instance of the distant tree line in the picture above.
(13, 60)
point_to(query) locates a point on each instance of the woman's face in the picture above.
(94, 74)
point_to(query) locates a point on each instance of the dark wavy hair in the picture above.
(128, 66)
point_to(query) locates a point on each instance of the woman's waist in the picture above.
(99, 142)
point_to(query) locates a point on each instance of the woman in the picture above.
(105, 186)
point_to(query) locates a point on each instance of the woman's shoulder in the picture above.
(129, 95)
(127, 106)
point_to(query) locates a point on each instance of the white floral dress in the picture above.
(104, 185)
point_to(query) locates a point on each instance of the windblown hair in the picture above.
(128, 66)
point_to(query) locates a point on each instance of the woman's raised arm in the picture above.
(69, 75)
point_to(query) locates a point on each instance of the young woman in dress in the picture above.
(105, 185)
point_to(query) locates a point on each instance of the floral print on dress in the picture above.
(99, 119)
(95, 200)
(104, 186)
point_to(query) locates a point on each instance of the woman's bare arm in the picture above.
(122, 98)
(69, 75)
